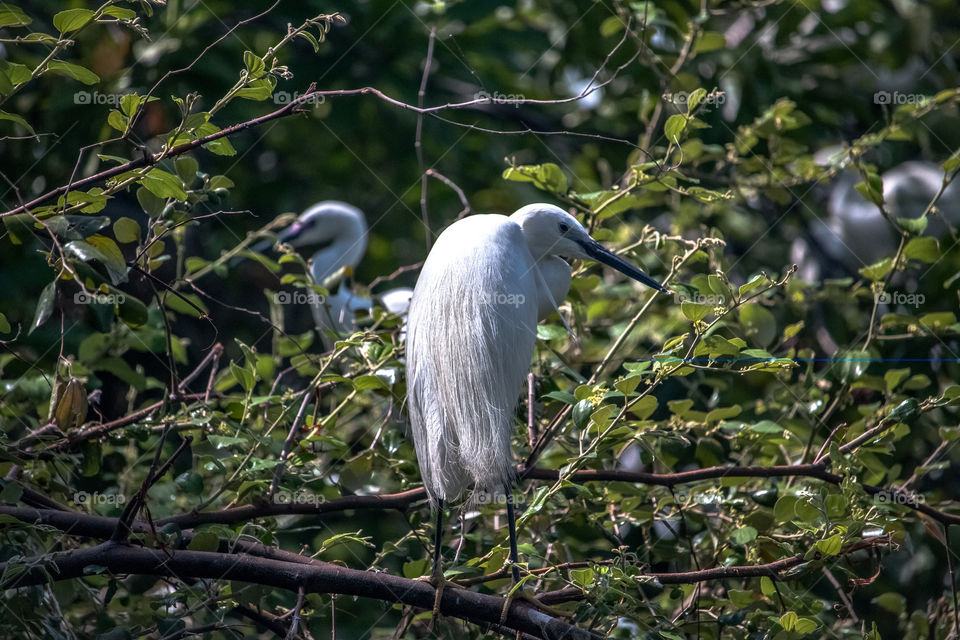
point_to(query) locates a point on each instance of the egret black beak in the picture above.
(601, 254)
(291, 232)
(260, 247)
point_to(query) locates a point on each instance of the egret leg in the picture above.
(436, 573)
(518, 590)
(512, 526)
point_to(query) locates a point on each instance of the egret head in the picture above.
(551, 231)
(335, 230)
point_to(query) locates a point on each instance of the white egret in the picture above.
(855, 232)
(339, 231)
(471, 332)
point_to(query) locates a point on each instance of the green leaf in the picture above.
(129, 104)
(547, 176)
(72, 19)
(925, 249)
(788, 620)
(221, 146)
(260, 89)
(766, 426)
(805, 626)
(953, 162)
(126, 230)
(362, 383)
(177, 304)
(916, 226)
(694, 311)
(309, 37)
(893, 602)
(581, 414)
(243, 376)
(743, 535)
(752, 284)
(204, 541)
(120, 13)
(550, 332)
(86, 252)
(415, 568)
(18, 119)
(4, 324)
(785, 509)
(710, 41)
(830, 546)
(878, 270)
(254, 64)
(836, 506)
(939, 320)
(164, 185)
(152, 205)
(17, 73)
(112, 257)
(221, 182)
(645, 407)
(44, 305)
(75, 71)
(693, 100)
(872, 188)
(583, 578)
(761, 326)
(187, 167)
(117, 120)
(766, 586)
(674, 127)
(11, 16)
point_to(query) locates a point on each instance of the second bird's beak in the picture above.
(601, 254)
(290, 233)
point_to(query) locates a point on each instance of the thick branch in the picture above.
(123, 559)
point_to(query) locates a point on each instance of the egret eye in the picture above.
(564, 227)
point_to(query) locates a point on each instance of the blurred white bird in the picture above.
(471, 333)
(339, 232)
(855, 233)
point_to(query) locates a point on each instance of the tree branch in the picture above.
(328, 578)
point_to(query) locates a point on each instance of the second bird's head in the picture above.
(551, 231)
